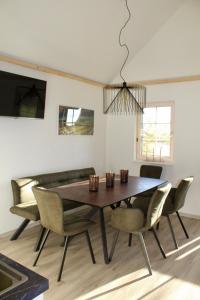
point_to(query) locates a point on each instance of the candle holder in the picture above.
(93, 183)
(110, 179)
(124, 176)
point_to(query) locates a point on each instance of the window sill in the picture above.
(163, 163)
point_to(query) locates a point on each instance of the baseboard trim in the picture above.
(10, 232)
(197, 217)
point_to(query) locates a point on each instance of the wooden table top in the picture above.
(79, 191)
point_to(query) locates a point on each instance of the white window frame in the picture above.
(166, 160)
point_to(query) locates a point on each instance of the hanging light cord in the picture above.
(124, 44)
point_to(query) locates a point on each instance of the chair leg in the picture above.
(41, 247)
(40, 238)
(158, 226)
(128, 202)
(184, 229)
(172, 232)
(130, 239)
(112, 206)
(90, 246)
(19, 230)
(118, 204)
(144, 250)
(63, 258)
(115, 238)
(63, 242)
(158, 242)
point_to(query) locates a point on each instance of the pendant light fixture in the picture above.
(124, 98)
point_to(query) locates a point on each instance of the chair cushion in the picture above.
(74, 224)
(27, 210)
(127, 219)
(25, 189)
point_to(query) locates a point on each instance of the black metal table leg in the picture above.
(90, 246)
(115, 238)
(103, 235)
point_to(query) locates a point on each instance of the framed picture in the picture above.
(75, 121)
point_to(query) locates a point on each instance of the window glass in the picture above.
(155, 133)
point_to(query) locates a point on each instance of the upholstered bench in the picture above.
(25, 204)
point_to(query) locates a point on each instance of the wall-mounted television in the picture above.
(21, 96)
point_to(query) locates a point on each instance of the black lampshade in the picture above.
(124, 99)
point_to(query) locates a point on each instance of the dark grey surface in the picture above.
(30, 289)
(79, 192)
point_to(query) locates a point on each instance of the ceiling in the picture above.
(79, 36)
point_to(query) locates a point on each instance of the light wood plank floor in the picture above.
(126, 277)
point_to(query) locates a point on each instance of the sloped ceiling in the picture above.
(79, 36)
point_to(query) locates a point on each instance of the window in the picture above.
(155, 133)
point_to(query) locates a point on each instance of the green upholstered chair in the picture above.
(25, 204)
(134, 221)
(173, 203)
(52, 218)
(150, 171)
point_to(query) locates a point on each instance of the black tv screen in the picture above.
(21, 96)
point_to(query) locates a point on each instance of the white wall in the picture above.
(174, 51)
(121, 138)
(34, 146)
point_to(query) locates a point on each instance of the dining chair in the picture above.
(151, 171)
(134, 221)
(53, 219)
(174, 202)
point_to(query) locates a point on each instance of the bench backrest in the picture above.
(22, 187)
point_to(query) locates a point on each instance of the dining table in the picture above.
(104, 197)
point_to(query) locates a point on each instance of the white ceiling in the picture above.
(79, 36)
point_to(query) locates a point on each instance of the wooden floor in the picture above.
(126, 277)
